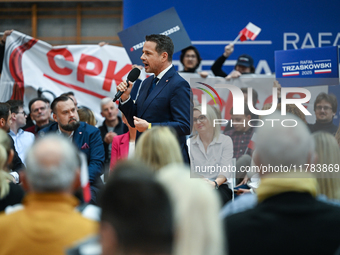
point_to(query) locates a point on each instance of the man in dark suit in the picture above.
(164, 99)
(86, 137)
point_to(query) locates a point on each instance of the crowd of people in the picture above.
(159, 176)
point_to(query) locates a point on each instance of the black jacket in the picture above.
(288, 223)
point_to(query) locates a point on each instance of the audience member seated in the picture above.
(158, 147)
(191, 60)
(241, 133)
(48, 220)
(84, 136)
(136, 213)
(112, 126)
(286, 200)
(325, 107)
(328, 153)
(87, 116)
(244, 64)
(70, 94)
(209, 148)
(123, 146)
(197, 228)
(10, 193)
(23, 140)
(5, 123)
(40, 114)
(254, 102)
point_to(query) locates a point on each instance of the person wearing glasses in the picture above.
(211, 152)
(191, 60)
(325, 107)
(40, 113)
(23, 140)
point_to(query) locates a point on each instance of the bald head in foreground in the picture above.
(287, 219)
(48, 223)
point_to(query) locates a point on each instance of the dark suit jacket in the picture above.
(288, 223)
(16, 164)
(88, 140)
(120, 148)
(169, 104)
(119, 129)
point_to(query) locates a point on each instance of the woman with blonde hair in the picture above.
(211, 152)
(86, 115)
(10, 193)
(158, 147)
(328, 153)
(198, 229)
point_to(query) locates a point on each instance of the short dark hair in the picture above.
(246, 110)
(330, 98)
(57, 100)
(70, 93)
(4, 110)
(255, 95)
(15, 105)
(196, 52)
(138, 208)
(37, 99)
(163, 44)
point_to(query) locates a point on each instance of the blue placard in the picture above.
(307, 67)
(166, 22)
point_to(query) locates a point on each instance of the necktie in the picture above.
(153, 85)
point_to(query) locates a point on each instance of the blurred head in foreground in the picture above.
(158, 147)
(136, 213)
(286, 141)
(197, 226)
(328, 153)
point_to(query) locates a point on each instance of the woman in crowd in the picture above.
(158, 147)
(209, 148)
(10, 193)
(86, 115)
(328, 153)
(123, 146)
(193, 198)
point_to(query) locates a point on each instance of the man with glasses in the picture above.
(22, 139)
(325, 107)
(40, 114)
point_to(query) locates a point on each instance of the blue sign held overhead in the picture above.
(166, 22)
(307, 67)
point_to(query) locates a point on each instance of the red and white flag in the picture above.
(84, 178)
(249, 32)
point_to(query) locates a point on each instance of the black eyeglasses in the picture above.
(200, 118)
(326, 108)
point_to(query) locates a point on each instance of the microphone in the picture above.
(133, 76)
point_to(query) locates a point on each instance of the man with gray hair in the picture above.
(48, 219)
(287, 218)
(112, 126)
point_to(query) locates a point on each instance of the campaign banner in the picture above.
(307, 67)
(33, 67)
(166, 23)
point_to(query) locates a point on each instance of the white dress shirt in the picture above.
(22, 142)
(217, 160)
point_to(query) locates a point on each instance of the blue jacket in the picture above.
(169, 104)
(88, 140)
